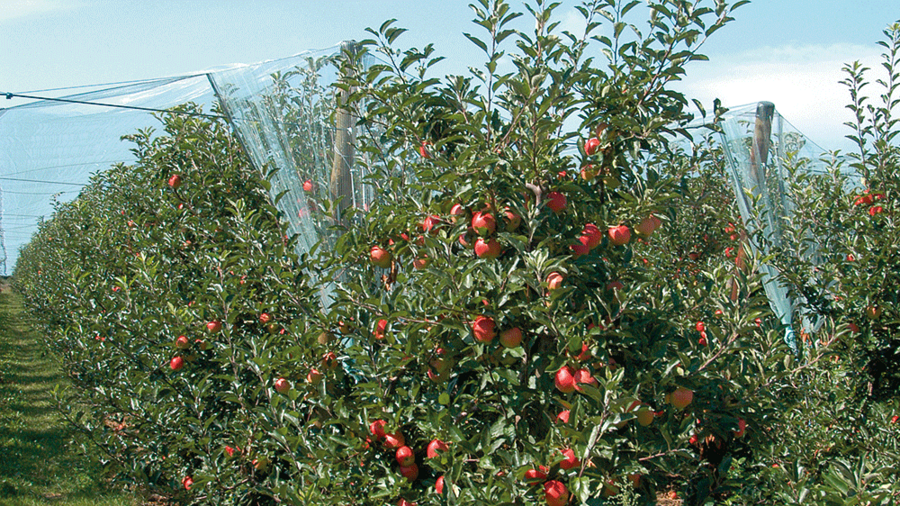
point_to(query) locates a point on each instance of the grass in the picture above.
(39, 463)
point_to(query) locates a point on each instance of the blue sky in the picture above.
(786, 51)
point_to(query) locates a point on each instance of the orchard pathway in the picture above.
(39, 463)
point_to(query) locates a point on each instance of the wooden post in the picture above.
(341, 182)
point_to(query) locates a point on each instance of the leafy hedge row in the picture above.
(515, 321)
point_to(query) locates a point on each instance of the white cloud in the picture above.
(15, 9)
(802, 82)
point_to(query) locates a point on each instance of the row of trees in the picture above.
(547, 302)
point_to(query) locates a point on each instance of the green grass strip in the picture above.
(39, 463)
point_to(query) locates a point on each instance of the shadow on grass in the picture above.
(38, 465)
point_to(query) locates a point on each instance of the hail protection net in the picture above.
(283, 112)
(760, 148)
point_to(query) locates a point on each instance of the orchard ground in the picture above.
(40, 464)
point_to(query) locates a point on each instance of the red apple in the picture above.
(182, 343)
(554, 281)
(875, 210)
(570, 461)
(701, 327)
(513, 220)
(456, 211)
(895, 419)
(431, 223)
(404, 502)
(556, 202)
(593, 235)
(175, 181)
(439, 362)
(405, 456)
(583, 377)
(376, 428)
(314, 376)
(394, 440)
(483, 329)
(176, 363)
(380, 257)
(591, 146)
(510, 338)
(214, 326)
(435, 446)
(487, 249)
(380, 329)
(619, 235)
(742, 428)
(483, 223)
(556, 493)
(265, 318)
(307, 185)
(579, 248)
(424, 151)
(532, 476)
(329, 361)
(563, 416)
(410, 472)
(648, 225)
(439, 485)
(282, 386)
(681, 397)
(187, 481)
(565, 380)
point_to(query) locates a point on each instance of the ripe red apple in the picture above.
(410, 472)
(483, 329)
(404, 502)
(593, 235)
(591, 146)
(487, 249)
(483, 223)
(648, 225)
(456, 211)
(556, 202)
(583, 377)
(282, 386)
(619, 235)
(265, 318)
(329, 361)
(895, 419)
(556, 493)
(533, 476)
(214, 326)
(430, 223)
(875, 210)
(510, 338)
(742, 428)
(439, 485)
(681, 397)
(176, 363)
(701, 327)
(380, 257)
(376, 428)
(439, 362)
(182, 343)
(579, 248)
(175, 181)
(405, 456)
(565, 380)
(307, 185)
(513, 220)
(435, 446)
(563, 416)
(380, 329)
(423, 150)
(187, 481)
(703, 341)
(314, 376)
(394, 440)
(554, 281)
